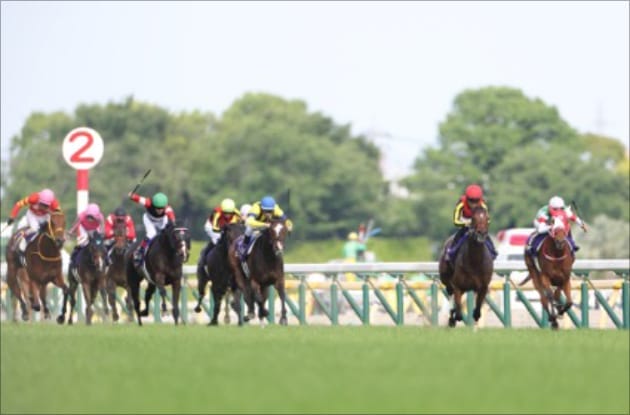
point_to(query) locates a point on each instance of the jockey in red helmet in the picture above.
(462, 215)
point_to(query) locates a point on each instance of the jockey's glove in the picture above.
(10, 221)
(289, 224)
(584, 227)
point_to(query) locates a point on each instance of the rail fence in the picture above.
(401, 294)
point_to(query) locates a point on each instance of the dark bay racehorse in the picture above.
(555, 263)
(116, 275)
(472, 267)
(163, 262)
(89, 271)
(216, 268)
(265, 267)
(43, 265)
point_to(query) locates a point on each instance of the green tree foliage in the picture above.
(262, 145)
(522, 153)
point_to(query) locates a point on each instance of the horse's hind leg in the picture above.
(202, 281)
(110, 288)
(147, 299)
(282, 293)
(89, 298)
(226, 317)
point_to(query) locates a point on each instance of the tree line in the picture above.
(518, 148)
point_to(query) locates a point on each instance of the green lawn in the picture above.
(299, 369)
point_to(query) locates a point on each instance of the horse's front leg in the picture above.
(263, 313)
(256, 295)
(160, 280)
(282, 293)
(226, 317)
(176, 294)
(481, 296)
(546, 300)
(217, 297)
(42, 297)
(456, 311)
(110, 288)
(87, 295)
(202, 281)
(34, 296)
(566, 288)
(147, 298)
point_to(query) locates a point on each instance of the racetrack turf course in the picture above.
(161, 368)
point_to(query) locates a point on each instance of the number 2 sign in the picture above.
(82, 148)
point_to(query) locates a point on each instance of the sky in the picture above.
(389, 69)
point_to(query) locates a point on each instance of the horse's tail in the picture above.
(529, 277)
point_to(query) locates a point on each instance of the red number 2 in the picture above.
(76, 156)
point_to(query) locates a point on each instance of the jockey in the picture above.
(259, 217)
(221, 216)
(245, 208)
(158, 214)
(117, 216)
(462, 216)
(543, 220)
(89, 221)
(40, 204)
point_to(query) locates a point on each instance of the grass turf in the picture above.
(297, 369)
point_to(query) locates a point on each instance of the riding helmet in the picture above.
(474, 192)
(267, 203)
(46, 197)
(556, 202)
(228, 206)
(120, 211)
(159, 200)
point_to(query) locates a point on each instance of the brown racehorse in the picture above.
(216, 268)
(265, 266)
(89, 271)
(472, 267)
(43, 265)
(555, 263)
(164, 261)
(116, 275)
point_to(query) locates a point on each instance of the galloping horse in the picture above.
(163, 263)
(89, 271)
(43, 265)
(472, 267)
(116, 275)
(555, 263)
(216, 268)
(265, 267)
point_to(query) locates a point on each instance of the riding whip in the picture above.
(141, 181)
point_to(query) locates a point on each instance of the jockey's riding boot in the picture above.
(244, 245)
(21, 251)
(139, 253)
(491, 247)
(73, 255)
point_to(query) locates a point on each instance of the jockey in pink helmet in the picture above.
(40, 204)
(89, 221)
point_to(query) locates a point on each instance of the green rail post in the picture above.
(334, 307)
(302, 300)
(157, 315)
(507, 303)
(183, 296)
(271, 305)
(470, 305)
(9, 300)
(434, 303)
(400, 304)
(366, 301)
(625, 302)
(584, 303)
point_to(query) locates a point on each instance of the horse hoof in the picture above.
(144, 313)
(283, 321)
(197, 309)
(451, 322)
(115, 318)
(60, 319)
(554, 325)
(36, 307)
(213, 323)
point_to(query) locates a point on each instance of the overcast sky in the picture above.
(389, 69)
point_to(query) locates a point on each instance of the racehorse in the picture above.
(43, 265)
(162, 266)
(216, 268)
(555, 263)
(116, 275)
(89, 271)
(264, 267)
(472, 267)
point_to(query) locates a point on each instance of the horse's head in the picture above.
(479, 224)
(179, 240)
(97, 252)
(120, 235)
(56, 227)
(232, 231)
(277, 233)
(559, 229)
